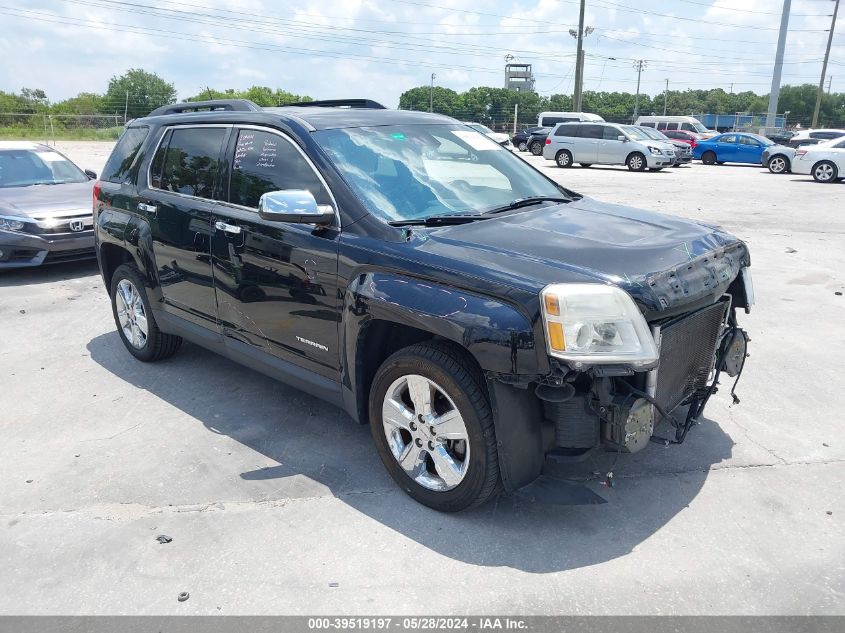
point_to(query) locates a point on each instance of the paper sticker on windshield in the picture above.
(50, 157)
(476, 140)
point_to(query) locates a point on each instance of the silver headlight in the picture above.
(10, 224)
(591, 324)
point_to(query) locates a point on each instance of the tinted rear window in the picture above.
(188, 161)
(571, 129)
(124, 153)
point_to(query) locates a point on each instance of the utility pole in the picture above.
(824, 66)
(829, 83)
(639, 65)
(666, 97)
(515, 115)
(126, 108)
(775, 92)
(579, 61)
(431, 94)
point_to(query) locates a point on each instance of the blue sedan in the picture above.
(733, 147)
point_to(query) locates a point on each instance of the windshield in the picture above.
(635, 133)
(25, 168)
(652, 133)
(765, 141)
(481, 128)
(416, 171)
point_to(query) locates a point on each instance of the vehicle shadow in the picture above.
(316, 445)
(48, 274)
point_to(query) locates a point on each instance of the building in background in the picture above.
(518, 77)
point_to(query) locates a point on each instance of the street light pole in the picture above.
(431, 94)
(579, 78)
(666, 97)
(824, 67)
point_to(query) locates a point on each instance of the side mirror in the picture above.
(92, 175)
(294, 205)
(621, 138)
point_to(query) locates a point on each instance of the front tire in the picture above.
(523, 146)
(134, 318)
(778, 164)
(433, 428)
(825, 171)
(563, 159)
(708, 158)
(536, 148)
(636, 162)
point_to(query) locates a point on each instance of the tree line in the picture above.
(494, 107)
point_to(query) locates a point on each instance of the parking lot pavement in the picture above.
(277, 502)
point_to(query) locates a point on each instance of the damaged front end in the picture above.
(601, 399)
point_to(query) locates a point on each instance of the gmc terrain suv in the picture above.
(431, 283)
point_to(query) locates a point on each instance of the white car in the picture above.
(502, 139)
(825, 161)
(607, 144)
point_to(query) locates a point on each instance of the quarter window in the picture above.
(188, 160)
(268, 162)
(570, 130)
(124, 154)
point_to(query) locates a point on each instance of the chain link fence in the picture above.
(47, 128)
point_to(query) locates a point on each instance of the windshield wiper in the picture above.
(525, 202)
(438, 220)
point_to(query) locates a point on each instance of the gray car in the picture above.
(45, 207)
(778, 158)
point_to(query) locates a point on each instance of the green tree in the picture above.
(138, 92)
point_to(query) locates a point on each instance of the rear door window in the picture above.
(591, 130)
(672, 126)
(728, 138)
(188, 161)
(123, 156)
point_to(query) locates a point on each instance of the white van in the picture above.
(550, 119)
(685, 123)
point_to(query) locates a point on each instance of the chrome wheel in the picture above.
(523, 146)
(777, 165)
(426, 433)
(823, 172)
(131, 314)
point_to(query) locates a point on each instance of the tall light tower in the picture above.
(431, 94)
(775, 92)
(824, 67)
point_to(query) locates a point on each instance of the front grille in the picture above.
(687, 352)
(60, 226)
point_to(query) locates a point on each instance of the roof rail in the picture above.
(367, 104)
(229, 105)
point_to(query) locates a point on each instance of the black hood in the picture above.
(664, 262)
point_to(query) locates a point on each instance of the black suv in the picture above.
(415, 273)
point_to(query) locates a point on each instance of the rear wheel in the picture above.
(536, 148)
(779, 164)
(432, 425)
(708, 158)
(636, 162)
(825, 171)
(563, 158)
(134, 318)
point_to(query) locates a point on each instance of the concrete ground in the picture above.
(278, 504)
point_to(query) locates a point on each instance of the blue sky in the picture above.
(379, 48)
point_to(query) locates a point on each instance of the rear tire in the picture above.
(134, 318)
(563, 158)
(825, 171)
(444, 382)
(708, 158)
(536, 148)
(636, 162)
(779, 164)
